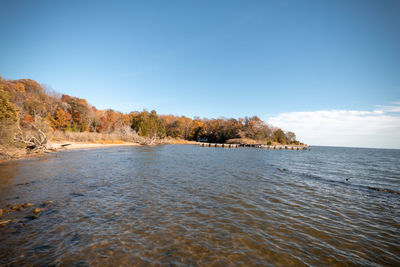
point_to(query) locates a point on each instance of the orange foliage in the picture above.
(75, 114)
(61, 119)
(31, 86)
(26, 120)
(19, 86)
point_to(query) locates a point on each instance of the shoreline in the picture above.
(77, 145)
(19, 155)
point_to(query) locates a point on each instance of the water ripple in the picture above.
(185, 205)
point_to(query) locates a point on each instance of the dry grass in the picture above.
(248, 141)
(244, 141)
(116, 141)
(117, 137)
(176, 141)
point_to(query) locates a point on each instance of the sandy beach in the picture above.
(11, 154)
(75, 145)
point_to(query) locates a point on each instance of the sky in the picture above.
(327, 70)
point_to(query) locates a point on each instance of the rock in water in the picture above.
(2, 223)
(27, 205)
(34, 217)
(37, 210)
(16, 207)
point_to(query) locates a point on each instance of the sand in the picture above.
(74, 145)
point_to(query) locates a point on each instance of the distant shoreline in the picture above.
(58, 146)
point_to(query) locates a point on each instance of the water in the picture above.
(187, 205)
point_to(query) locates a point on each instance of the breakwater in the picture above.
(277, 147)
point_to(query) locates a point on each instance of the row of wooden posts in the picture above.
(278, 147)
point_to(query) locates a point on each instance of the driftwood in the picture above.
(34, 144)
(149, 141)
(152, 140)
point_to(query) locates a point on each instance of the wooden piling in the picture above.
(275, 147)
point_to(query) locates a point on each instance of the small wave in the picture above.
(346, 182)
(384, 190)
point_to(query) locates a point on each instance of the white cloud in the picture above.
(377, 128)
(391, 108)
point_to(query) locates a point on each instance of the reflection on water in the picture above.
(186, 205)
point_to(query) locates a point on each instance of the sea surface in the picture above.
(184, 205)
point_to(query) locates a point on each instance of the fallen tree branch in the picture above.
(33, 144)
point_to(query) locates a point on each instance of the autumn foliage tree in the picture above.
(61, 120)
(8, 111)
(280, 137)
(26, 101)
(148, 124)
(8, 117)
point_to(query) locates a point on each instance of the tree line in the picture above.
(25, 101)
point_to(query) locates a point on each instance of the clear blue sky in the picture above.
(208, 58)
